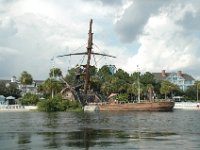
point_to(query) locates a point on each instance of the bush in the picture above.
(29, 99)
(122, 97)
(58, 104)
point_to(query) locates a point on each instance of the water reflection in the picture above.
(99, 131)
(51, 120)
(23, 140)
(88, 137)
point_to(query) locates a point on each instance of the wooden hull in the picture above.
(143, 106)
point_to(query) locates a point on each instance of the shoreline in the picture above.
(186, 105)
(17, 108)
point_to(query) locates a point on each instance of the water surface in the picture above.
(129, 130)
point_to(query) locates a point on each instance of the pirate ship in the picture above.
(85, 96)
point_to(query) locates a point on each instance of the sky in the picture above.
(144, 35)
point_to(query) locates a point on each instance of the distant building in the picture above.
(112, 69)
(10, 100)
(183, 80)
(32, 88)
(24, 88)
(3, 100)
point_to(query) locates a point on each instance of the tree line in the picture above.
(104, 82)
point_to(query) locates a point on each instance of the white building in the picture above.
(183, 80)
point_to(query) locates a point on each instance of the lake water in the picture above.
(177, 130)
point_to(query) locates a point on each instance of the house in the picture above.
(3, 100)
(10, 100)
(25, 88)
(112, 69)
(183, 80)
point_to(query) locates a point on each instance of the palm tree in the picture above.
(55, 72)
(150, 90)
(167, 87)
(49, 85)
(132, 89)
(26, 79)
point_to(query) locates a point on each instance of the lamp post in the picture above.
(138, 84)
(53, 66)
(197, 92)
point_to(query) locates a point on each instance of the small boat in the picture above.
(155, 105)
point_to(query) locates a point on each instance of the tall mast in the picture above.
(89, 50)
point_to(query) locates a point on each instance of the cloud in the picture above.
(7, 27)
(39, 30)
(166, 43)
(107, 2)
(153, 34)
(135, 17)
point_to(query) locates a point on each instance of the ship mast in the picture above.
(89, 52)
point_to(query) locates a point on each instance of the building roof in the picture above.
(34, 81)
(10, 97)
(159, 76)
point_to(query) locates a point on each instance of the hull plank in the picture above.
(143, 106)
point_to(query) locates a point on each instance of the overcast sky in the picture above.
(153, 34)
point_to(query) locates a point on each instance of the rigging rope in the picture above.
(79, 47)
(95, 62)
(69, 66)
(82, 59)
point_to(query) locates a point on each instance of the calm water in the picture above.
(178, 130)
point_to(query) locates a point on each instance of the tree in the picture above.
(121, 74)
(104, 71)
(58, 104)
(70, 77)
(29, 99)
(167, 87)
(150, 90)
(147, 78)
(132, 90)
(134, 77)
(191, 93)
(106, 88)
(26, 78)
(55, 72)
(9, 89)
(49, 85)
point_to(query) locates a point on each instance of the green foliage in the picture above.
(26, 78)
(132, 89)
(49, 85)
(29, 99)
(191, 93)
(55, 72)
(95, 83)
(167, 87)
(134, 77)
(70, 77)
(92, 70)
(104, 72)
(121, 74)
(122, 97)
(10, 89)
(58, 104)
(147, 78)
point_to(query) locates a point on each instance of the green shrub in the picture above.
(29, 99)
(58, 104)
(122, 97)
